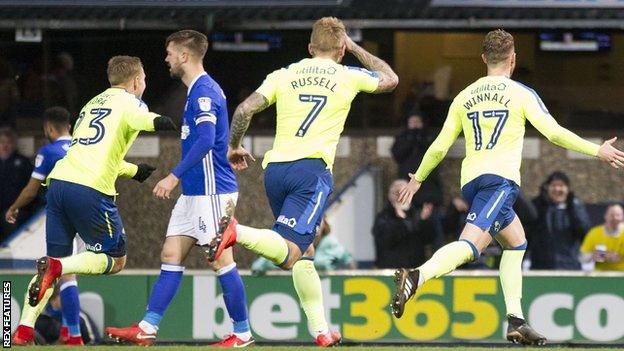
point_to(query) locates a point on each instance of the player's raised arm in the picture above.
(434, 155)
(388, 80)
(541, 119)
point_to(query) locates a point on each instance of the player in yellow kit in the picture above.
(313, 98)
(492, 113)
(81, 187)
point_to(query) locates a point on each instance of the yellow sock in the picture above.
(29, 313)
(89, 263)
(511, 280)
(264, 242)
(308, 286)
(446, 259)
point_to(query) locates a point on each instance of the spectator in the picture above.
(329, 254)
(62, 87)
(401, 234)
(9, 94)
(408, 150)
(561, 224)
(15, 172)
(604, 244)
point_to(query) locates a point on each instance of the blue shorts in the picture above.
(491, 200)
(298, 193)
(73, 208)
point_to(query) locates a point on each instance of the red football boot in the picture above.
(49, 269)
(225, 237)
(23, 336)
(233, 341)
(329, 339)
(132, 334)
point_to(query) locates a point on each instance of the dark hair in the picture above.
(558, 175)
(58, 117)
(194, 41)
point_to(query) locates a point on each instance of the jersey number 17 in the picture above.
(476, 127)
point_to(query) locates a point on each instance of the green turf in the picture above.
(305, 348)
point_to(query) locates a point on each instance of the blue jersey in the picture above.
(48, 155)
(204, 169)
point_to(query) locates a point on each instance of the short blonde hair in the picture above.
(497, 46)
(194, 41)
(123, 68)
(328, 34)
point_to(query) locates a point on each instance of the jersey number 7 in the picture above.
(502, 118)
(319, 102)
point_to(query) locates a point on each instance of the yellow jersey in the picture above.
(313, 98)
(105, 129)
(614, 243)
(492, 113)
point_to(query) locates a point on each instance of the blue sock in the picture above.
(70, 307)
(234, 297)
(163, 292)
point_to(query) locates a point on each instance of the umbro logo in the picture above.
(471, 216)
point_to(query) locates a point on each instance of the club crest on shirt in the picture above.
(39, 161)
(204, 103)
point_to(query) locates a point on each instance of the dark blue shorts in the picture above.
(73, 208)
(298, 193)
(491, 199)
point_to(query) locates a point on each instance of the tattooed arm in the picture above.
(388, 80)
(242, 116)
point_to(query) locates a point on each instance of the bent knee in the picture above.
(118, 264)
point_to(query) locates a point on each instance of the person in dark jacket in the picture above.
(408, 150)
(562, 221)
(15, 172)
(401, 234)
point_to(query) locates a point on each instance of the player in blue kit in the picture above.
(208, 185)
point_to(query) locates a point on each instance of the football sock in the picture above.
(308, 286)
(70, 307)
(511, 280)
(235, 299)
(87, 262)
(447, 258)
(264, 242)
(162, 294)
(29, 313)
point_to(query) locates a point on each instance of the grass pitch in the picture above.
(310, 348)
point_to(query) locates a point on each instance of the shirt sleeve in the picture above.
(588, 242)
(206, 107)
(537, 113)
(138, 117)
(127, 169)
(440, 146)
(268, 89)
(365, 80)
(43, 165)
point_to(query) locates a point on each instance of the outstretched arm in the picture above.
(25, 197)
(434, 155)
(561, 136)
(388, 80)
